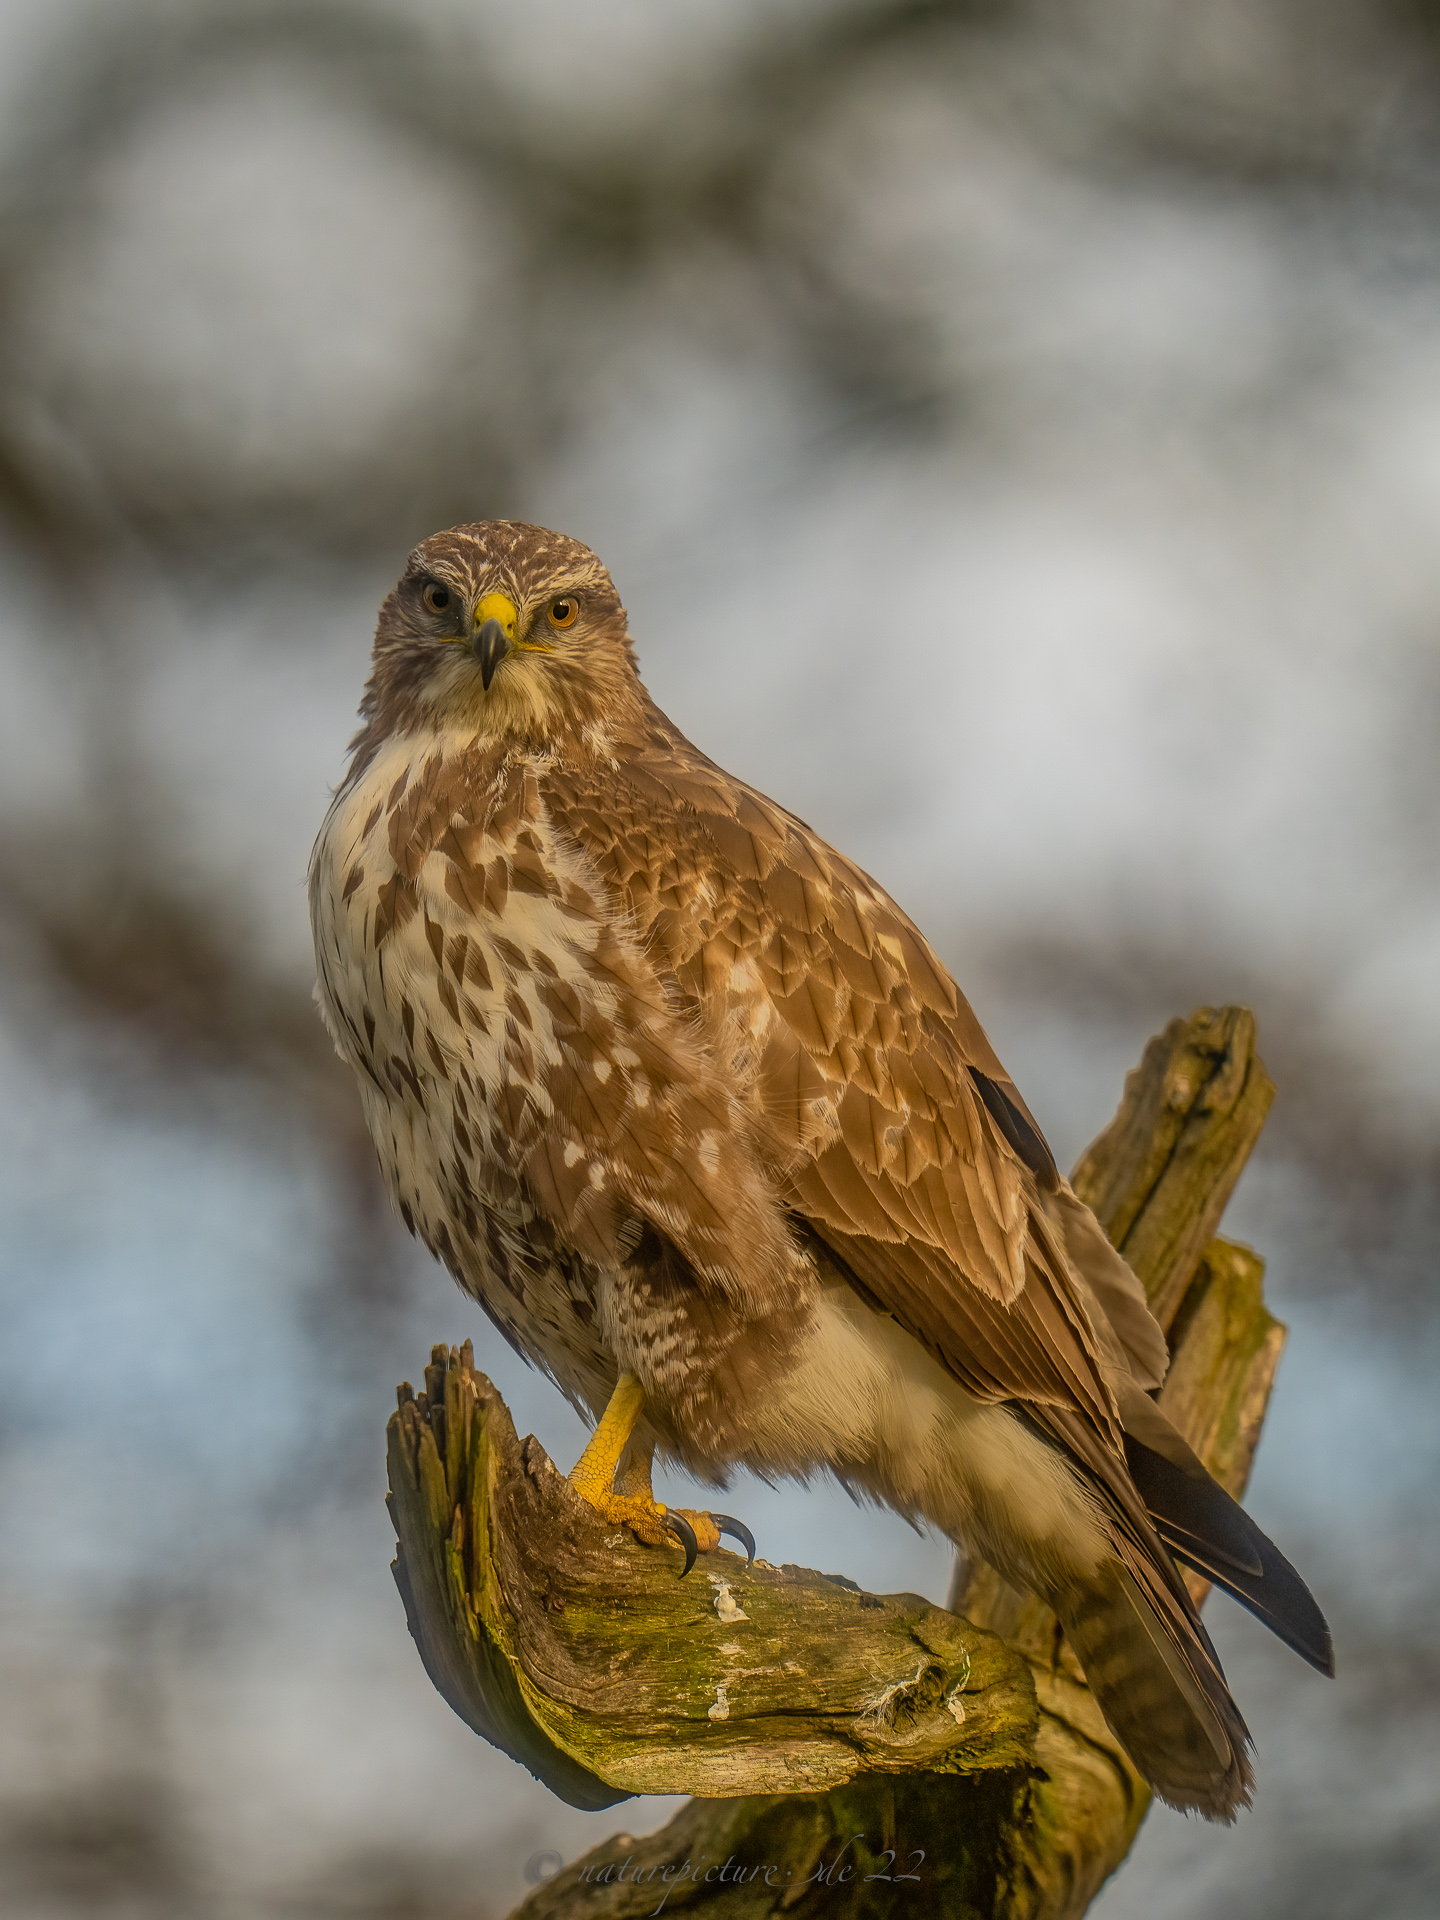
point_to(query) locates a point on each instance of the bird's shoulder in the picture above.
(741, 902)
(727, 885)
(705, 861)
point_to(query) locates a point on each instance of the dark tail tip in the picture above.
(1207, 1530)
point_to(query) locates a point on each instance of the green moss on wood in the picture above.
(1161, 1173)
(584, 1654)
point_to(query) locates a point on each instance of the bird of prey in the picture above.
(693, 1110)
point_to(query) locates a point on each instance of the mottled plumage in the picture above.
(677, 1092)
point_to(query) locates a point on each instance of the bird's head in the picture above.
(503, 630)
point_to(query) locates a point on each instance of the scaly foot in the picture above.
(650, 1522)
(633, 1504)
(702, 1525)
(708, 1527)
(641, 1513)
(699, 1531)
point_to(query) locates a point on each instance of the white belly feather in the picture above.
(865, 1397)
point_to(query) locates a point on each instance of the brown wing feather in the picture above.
(858, 1049)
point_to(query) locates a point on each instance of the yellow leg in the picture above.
(633, 1504)
(593, 1475)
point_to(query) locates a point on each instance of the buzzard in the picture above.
(692, 1109)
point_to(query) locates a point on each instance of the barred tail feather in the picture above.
(1154, 1676)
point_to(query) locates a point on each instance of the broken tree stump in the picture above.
(868, 1753)
(581, 1654)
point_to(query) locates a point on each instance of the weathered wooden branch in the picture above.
(867, 1734)
(582, 1654)
(1158, 1178)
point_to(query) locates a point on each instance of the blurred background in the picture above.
(1015, 431)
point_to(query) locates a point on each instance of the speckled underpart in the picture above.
(674, 1089)
(543, 1115)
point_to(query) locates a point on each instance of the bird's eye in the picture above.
(436, 597)
(565, 611)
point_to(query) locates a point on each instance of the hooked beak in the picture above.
(490, 647)
(495, 619)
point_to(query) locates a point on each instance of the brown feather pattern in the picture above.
(669, 1084)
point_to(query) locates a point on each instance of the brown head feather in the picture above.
(583, 684)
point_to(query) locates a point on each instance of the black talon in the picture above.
(685, 1534)
(738, 1530)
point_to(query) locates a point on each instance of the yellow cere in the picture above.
(497, 606)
